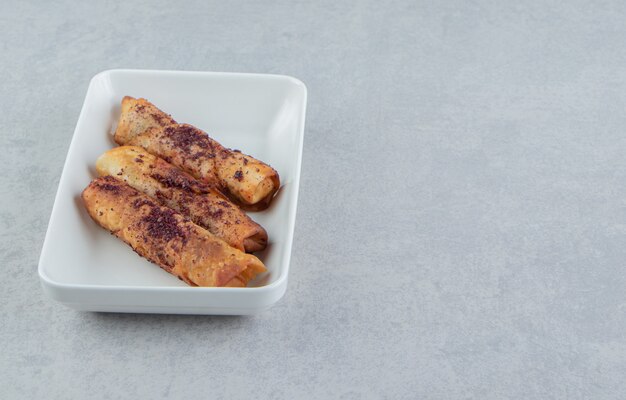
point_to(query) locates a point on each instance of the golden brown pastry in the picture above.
(139, 115)
(246, 180)
(166, 238)
(202, 203)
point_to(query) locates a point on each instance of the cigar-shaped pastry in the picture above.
(166, 238)
(201, 202)
(137, 116)
(244, 179)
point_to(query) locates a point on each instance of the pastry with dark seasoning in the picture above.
(167, 238)
(245, 180)
(201, 202)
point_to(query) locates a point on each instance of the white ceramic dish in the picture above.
(85, 268)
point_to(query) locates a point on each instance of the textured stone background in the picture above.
(461, 230)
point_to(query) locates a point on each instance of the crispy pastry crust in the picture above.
(166, 238)
(246, 180)
(202, 203)
(139, 115)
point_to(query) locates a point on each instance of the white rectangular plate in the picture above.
(85, 268)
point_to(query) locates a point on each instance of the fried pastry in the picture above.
(137, 116)
(166, 238)
(247, 181)
(201, 202)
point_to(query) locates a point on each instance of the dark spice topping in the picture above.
(162, 120)
(245, 161)
(110, 184)
(184, 209)
(186, 136)
(141, 202)
(238, 175)
(162, 197)
(175, 179)
(139, 160)
(224, 204)
(169, 181)
(163, 225)
(211, 211)
(216, 213)
(200, 154)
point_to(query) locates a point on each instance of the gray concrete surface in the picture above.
(462, 220)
